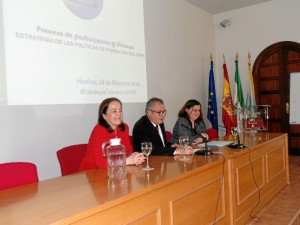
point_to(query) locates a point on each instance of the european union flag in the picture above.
(212, 112)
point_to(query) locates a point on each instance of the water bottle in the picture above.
(115, 154)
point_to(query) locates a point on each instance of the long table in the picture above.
(220, 189)
(255, 174)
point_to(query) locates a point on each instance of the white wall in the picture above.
(252, 29)
(179, 40)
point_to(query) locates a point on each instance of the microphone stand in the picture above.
(206, 150)
(238, 145)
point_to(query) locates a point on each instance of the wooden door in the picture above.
(271, 75)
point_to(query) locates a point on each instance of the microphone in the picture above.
(238, 144)
(205, 151)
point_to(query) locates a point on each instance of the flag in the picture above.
(250, 100)
(238, 91)
(212, 112)
(228, 117)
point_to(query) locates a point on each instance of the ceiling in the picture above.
(220, 6)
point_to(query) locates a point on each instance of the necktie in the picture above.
(161, 137)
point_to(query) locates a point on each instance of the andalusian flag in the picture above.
(238, 91)
(212, 112)
(228, 116)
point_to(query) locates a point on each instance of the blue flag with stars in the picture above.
(212, 112)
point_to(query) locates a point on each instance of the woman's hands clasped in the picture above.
(135, 158)
(200, 140)
(180, 151)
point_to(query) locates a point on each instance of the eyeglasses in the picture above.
(161, 113)
(196, 110)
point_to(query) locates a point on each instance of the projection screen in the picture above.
(72, 51)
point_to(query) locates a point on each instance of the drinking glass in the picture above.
(147, 149)
(184, 142)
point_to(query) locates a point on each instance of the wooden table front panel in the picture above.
(258, 174)
(189, 199)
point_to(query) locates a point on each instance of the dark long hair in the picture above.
(103, 109)
(189, 104)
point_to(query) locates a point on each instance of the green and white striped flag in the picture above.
(238, 100)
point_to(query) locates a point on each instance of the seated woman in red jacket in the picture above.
(110, 125)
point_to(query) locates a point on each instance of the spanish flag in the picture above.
(228, 116)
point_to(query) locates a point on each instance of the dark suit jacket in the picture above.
(144, 130)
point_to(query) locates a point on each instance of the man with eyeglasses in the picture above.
(150, 128)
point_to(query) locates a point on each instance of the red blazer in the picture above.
(94, 157)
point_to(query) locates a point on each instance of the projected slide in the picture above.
(72, 51)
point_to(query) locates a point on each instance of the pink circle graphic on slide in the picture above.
(85, 9)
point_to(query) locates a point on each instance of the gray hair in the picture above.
(151, 102)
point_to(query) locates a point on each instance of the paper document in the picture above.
(216, 143)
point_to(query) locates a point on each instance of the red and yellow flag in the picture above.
(228, 116)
